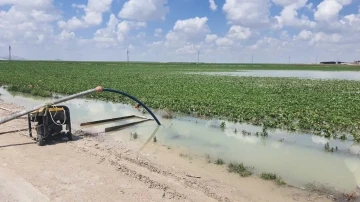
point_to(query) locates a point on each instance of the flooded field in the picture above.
(298, 158)
(304, 74)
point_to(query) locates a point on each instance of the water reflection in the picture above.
(342, 75)
(298, 158)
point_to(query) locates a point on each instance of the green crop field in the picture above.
(328, 108)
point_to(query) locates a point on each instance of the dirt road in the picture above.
(92, 168)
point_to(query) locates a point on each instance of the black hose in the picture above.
(135, 99)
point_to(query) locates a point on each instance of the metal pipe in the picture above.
(24, 112)
(97, 89)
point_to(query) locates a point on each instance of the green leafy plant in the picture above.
(321, 107)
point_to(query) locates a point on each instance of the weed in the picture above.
(280, 182)
(268, 176)
(219, 161)
(208, 159)
(167, 115)
(239, 169)
(185, 156)
(329, 149)
(244, 132)
(222, 125)
(273, 177)
(134, 135)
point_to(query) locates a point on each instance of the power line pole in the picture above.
(198, 57)
(252, 58)
(127, 54)
(9, 52)
(316, 60)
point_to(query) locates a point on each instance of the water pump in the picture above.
(50, 121)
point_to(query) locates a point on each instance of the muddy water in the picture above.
(341, 75)
(298, 158)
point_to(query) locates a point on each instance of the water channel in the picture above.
(303, 74)
(298, 158)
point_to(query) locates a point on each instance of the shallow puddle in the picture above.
(298, 158)
(304, 74)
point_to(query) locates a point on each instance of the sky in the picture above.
(240, 31)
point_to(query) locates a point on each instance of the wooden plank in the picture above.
(106, 120)
(109, 129)
(112, 119)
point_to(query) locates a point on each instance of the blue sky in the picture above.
(184, 9)
(232, 31)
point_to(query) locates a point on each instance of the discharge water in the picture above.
(299, 159)
(304, 74)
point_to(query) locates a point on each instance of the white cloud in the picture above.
(239, 33)
(213, 6)
(233, 37)
(144, 10)
(107, 35)
(27, 22)
(124, 28)
(328, 10)
(39, 4)
(65, 35)
(310, 6)
(158, 32)
(285, 2)
(188, 49)
(189, 30)
(32, 29)
(304, 35)
(318, 38)
(210, 38)
(325, 38)
(289, 14)
(93, 15)
(254, 13)
(192, 26)
(187, 35)
(79, 6)
(224, 41)
(353, 21)
(116, 32)
(141, 35)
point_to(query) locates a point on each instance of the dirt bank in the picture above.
(93, 168)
